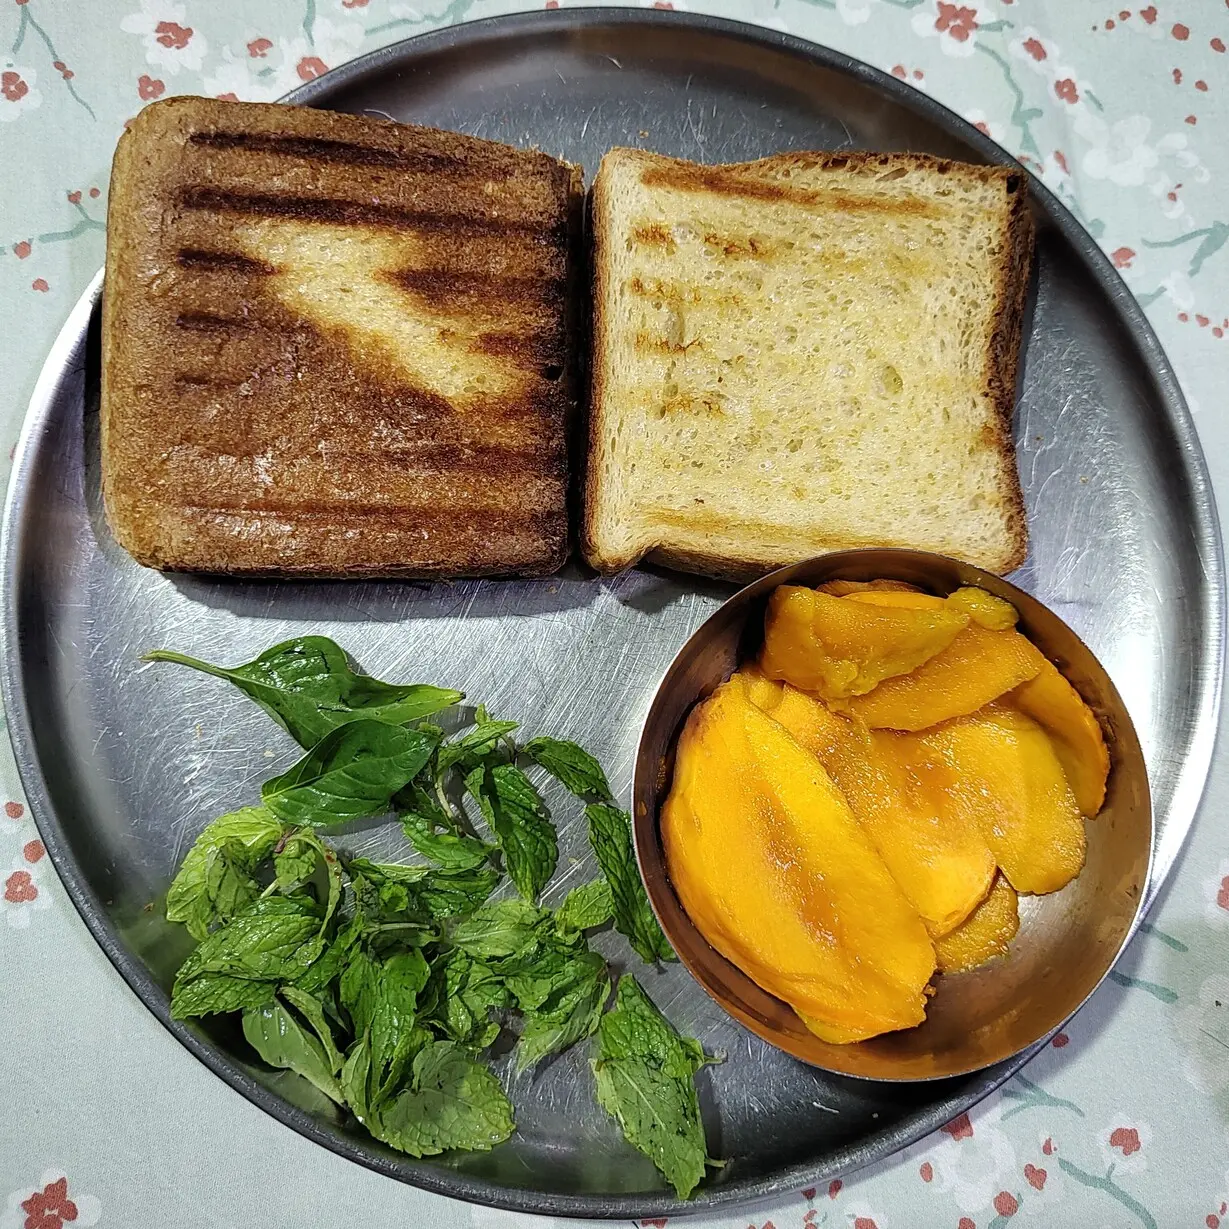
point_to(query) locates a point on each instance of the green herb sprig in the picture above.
(384, 984)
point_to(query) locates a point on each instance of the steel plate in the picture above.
(123, 764)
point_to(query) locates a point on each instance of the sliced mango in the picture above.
(900, 600)
(977, 667)
(842, 588)
(776, 873)
(1007, 777)
(984, 935)
(837, 648)
(1051, 700)
(996, 613)
(897, 793)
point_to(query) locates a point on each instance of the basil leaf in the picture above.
(450, 850)
(199, 892)
(307, 686)
(212, 993)
(282, 1041)
(501, 929)
(611, 837)
(518, 817)
(271, 940)
(572, 766)
(569, 1012)
(585, 907)
(645, 1079)
(352, 771)
(453, 1102)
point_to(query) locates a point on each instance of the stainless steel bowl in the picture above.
(1068, 940)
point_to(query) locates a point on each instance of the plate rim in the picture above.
(1190, 785)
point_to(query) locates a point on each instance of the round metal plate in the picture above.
(124, 764)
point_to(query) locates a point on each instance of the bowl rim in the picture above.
(867, 559)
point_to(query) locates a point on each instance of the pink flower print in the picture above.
(1180, 32)
(1006, 1204)
(40, 284)
(50, 1207)
(310, 67)
(14, 810)
(12, 86)
(959, 1127)
(1036, 48)
(1066, 90)
(258, 48)
(959, 22)
(21, 251)
(150, 87)
(33, 851)
(172, 34)
(1036, 1178)
(1125, 1138)
(1122, 258)
(19, 888)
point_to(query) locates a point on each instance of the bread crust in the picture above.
(1003, 344)
(300, 448)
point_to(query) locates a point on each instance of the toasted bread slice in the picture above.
(335, 346)
(812, 352)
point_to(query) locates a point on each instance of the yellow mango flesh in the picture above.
(842, 588)
(1007, 777)
(977, 667)
(839, 648)
(1051, 700)
(776, 873)
(899, 599)
(984, 935)
(996, 613)
(937, 856)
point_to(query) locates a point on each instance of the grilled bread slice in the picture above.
(335, 346)
(808, 353)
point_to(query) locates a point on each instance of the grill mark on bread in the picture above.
(741, 246)
(532, 349)
(651, 343)
(451, 288)
(211, 322)
(343, 153)
(727, 183)
(335, 211)
(677, 294)
(198, 258)
(653, 234)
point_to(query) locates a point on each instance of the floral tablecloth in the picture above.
(1123, 1122)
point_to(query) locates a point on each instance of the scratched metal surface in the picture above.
(124, 764)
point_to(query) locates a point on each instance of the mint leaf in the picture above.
(382, 999)
(212, 993)
(202, 889)
(307, 686)
(470, 991)
(312, 1010)
(273, 939)
(278, 1037)
(353, 771)
(475, 747)
(518, 817)
(572, 766)
(585, 907)
(611, 836)
(429, 893)
(645, 1079)
(453, 1102)
(568, 1011)
(449, 849)
(501, 929)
